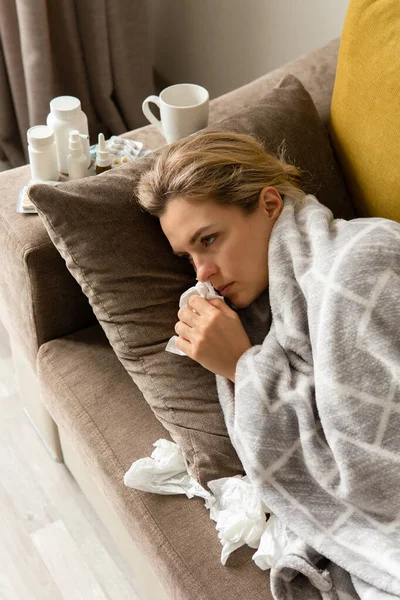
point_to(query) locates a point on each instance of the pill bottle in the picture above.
(76, 161)
(65, 115)
(42, 153)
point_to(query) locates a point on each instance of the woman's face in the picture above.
(226, 246)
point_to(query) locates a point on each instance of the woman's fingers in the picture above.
(200, 305)
(183, 330)
(184, 345)
(187, 315)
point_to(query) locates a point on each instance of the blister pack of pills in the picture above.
(121, 150)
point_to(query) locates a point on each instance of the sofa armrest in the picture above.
(39, 298)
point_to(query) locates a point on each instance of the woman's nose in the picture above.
(204, 270)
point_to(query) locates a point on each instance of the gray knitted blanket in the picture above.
(314, 414)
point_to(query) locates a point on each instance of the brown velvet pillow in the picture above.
(125, 266)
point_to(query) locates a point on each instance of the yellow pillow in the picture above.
(365, 110)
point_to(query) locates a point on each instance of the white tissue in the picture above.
(272, 544)
(203, 289)
(234, 504)
(239, 513)
(166, 472)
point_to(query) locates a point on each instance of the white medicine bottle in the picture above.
(42, 153)
(65, 115)
(76, 161)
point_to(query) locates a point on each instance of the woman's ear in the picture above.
(271, 202)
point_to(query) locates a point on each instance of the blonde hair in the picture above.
(227, 167)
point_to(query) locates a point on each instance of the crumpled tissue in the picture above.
(234, 503)
(239, 513)
(273, 544)
(166, 472)
(203, 289)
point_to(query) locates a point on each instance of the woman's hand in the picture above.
(212, 336)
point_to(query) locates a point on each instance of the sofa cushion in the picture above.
(124, 264)
(365, 117)
(92, 399)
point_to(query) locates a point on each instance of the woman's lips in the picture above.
(223, 290)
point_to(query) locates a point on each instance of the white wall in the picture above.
(223, 44)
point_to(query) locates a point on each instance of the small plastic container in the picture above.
(103, 161)
(65, 115)
(42, 153)
(77, 161)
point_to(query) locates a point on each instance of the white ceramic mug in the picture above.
(183, 110)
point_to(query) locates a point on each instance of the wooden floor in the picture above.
(52, 545)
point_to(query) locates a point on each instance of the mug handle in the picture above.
(149, 115)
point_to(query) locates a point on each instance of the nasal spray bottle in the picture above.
(77, 159)
(103, 160)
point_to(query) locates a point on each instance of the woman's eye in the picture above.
(208, 240)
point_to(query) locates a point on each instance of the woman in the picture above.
(312, 410)
(218, 196)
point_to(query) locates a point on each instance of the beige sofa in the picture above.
(85, 406)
